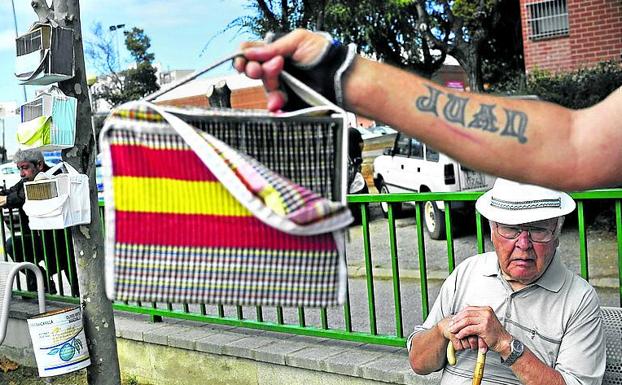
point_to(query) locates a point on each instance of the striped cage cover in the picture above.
(190, 219)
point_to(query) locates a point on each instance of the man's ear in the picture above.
(39, 166)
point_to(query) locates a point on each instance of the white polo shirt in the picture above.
(557, 318)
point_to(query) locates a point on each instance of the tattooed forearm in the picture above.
(454, 111)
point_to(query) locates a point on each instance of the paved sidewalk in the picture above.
(371, 362)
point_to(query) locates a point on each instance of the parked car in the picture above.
(412, 166)
(382, 130)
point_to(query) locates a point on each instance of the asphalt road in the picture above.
(601, 245)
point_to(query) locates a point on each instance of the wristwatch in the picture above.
(517, 351)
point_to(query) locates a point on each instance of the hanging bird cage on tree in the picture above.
(44, 55)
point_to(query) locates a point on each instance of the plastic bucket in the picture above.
(59, 342)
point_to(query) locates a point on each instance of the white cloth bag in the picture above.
(69, 205)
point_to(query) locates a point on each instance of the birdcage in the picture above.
(44, 55)
(224, 206)
(48, 122)
(57, 201)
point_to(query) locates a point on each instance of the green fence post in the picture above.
(422, 266)
(279, 314)
(370, 275)
(155, 318)
(347, 314)
(395, 275)
(57, 260)
(301, 317)
(619, 238)
(69, 264)
(582, 241)
(451, 260)
(480, 234)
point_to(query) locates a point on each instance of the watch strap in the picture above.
(517, 351)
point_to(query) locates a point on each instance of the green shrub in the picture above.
(579, 89)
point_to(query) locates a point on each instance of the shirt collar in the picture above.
(552, 279)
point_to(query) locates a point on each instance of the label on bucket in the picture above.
(59, 342)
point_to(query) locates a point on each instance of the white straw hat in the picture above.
(514, 203)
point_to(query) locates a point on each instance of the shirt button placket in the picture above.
(508, 308)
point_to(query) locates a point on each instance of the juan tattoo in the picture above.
(454, 111)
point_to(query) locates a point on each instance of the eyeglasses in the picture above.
(536, 234)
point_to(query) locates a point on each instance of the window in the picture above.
(431, 154)
(547, 19)
(416, 149)
(402, 147)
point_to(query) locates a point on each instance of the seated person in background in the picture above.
(355, 144)
(539, 321)
(37, 246)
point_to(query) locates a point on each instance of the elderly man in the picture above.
(539, 321)
(36, 246)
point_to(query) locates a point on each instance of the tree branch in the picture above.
(43, 11)
(267, 12)
(284, 15)
(424, 27)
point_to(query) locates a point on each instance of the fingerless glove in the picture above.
(324, 75)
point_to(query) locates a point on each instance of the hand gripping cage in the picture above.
(225, 206)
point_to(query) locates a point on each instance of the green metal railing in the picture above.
(338, 324)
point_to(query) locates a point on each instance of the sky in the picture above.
(178, 31)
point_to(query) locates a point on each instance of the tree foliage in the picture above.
(117, 86)
(502, 55)
(464, 30)
(383, 29)
(413, 34)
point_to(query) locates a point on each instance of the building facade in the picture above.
(565, 35)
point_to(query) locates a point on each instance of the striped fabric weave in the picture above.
(179, 235)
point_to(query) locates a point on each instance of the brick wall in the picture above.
(254, 97)
(595, 35)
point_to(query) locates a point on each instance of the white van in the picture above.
(412, 166)
(9, 175)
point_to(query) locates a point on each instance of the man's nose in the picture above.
(523, 240)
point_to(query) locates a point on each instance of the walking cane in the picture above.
(478, 373)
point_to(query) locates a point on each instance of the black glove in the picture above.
(325, 75)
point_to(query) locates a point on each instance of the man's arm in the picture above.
(15, 196)
(428, 349)
(525, 140)
(531, 371)
(530, 141)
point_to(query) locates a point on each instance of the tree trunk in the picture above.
(88, 240)
(474, 70)
(469, 58)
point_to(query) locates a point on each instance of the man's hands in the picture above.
(266, 61)
(313, 58)
(476, 327)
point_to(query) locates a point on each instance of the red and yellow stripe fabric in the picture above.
(180, 236)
